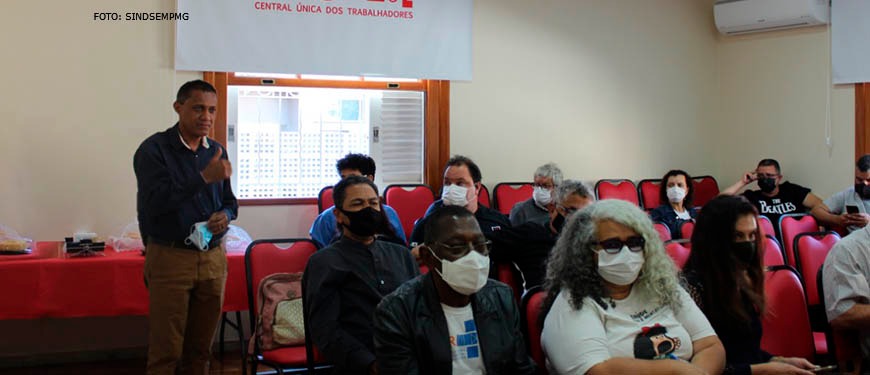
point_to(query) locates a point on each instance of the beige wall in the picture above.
(773, 91)
(620, 88)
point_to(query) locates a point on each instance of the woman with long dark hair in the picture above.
(725, 276)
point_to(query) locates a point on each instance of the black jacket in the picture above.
(411, 335)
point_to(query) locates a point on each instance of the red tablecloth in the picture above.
(45, 284)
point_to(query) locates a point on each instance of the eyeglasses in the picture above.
(481, 247)
(614, 245)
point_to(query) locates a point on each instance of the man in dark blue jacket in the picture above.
(453, 319)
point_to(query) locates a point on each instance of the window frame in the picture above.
(436, 121)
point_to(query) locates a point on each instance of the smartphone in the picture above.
(825, 368)
(850, 209)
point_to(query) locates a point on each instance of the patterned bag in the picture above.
(280, 321)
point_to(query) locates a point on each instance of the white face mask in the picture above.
(621, 268)
(199, 236)
(676, 194)
(542, 196)
(466, 275)
(454, 195)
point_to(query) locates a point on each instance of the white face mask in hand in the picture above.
(200, 236)
(676, 194)
(542, 196)
(454, 195)
(621, 268)
(466, 275)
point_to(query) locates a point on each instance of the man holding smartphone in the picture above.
(849, 208)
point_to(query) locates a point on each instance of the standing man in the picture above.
(774, 197)
(537, 208)
(184, 204)
(849, 208)
(453, 320)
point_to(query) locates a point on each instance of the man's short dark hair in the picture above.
(435, 223)
(458, 160)
(360, 162)
(770, 162)
(187, 89)
(863, 163)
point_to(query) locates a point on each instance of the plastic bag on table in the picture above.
(236, 239)
(129, 240)
(12, 242)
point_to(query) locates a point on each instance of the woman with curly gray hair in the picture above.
(615, 305)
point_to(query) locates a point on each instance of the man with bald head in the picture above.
(453, 319)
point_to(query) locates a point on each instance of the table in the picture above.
(46, 284)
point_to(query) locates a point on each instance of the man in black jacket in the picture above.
(453, 319)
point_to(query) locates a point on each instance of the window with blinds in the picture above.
(284, 141)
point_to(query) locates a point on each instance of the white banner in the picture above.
(850, 41)
(427, 39)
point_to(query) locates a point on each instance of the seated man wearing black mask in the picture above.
(528, 245)
(774, 197)
(849, 208)
(345, 281)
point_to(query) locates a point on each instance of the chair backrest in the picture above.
(786, 323)
(532, 325)
(648, 190)
(677, 250)
(772, 252)
(766, 226)
(483, 198)
(706, 188)
(617, 189)
(687, 228)
(810, 251)
(508, 274)
(507, 194)
(410, 201)
(324, 199)
(664, 231)
(790, 225)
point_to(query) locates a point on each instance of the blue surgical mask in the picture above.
(199, 236)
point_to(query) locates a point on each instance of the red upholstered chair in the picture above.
(706, 188)
(533, 325)
(686, 229)
(772, 252)
(648, 190)
(617, 189)
(410, 201)
(786, 323)
(790, 225)
(507, 194)
(766, 226)
(324, 199)
(810, 251)
(677, 250)
(664, 231)
(483, 197)
(263, 258)
(508, 274)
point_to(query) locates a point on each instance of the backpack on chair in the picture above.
(279, 319)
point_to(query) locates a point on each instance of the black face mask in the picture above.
(767, 184)
(558, 222)
(862, 190)
(365, 222)
(744, 251)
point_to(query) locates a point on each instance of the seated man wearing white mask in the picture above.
(453, 319)
(537, 208)
(461, 187)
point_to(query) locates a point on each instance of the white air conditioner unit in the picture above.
(750, 16)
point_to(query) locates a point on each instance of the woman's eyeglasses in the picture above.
(614, 245)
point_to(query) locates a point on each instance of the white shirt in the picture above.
(577, 340)
(463, 340)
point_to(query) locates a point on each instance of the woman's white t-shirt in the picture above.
(577, 340)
